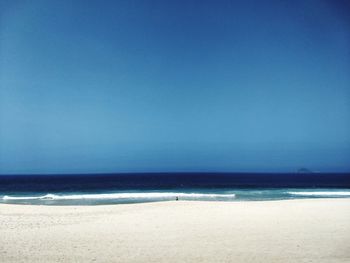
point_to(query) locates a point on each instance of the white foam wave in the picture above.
(153, 195)
(330, 193)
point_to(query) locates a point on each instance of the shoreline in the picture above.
(183, 201)
(298, 230)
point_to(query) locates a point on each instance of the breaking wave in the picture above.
(154, 195)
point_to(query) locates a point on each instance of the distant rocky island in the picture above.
(304, 171)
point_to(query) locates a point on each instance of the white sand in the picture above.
(274, 231)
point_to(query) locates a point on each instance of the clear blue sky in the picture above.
(142, 86)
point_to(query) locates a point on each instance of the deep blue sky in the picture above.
(142, 86)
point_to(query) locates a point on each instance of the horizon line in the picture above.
(181, 172)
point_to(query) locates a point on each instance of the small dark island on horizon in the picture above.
(304, 171)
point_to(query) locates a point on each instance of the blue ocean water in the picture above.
(98, 189)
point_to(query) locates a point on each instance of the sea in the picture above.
(105, 189)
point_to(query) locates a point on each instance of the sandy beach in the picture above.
(274, 231)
